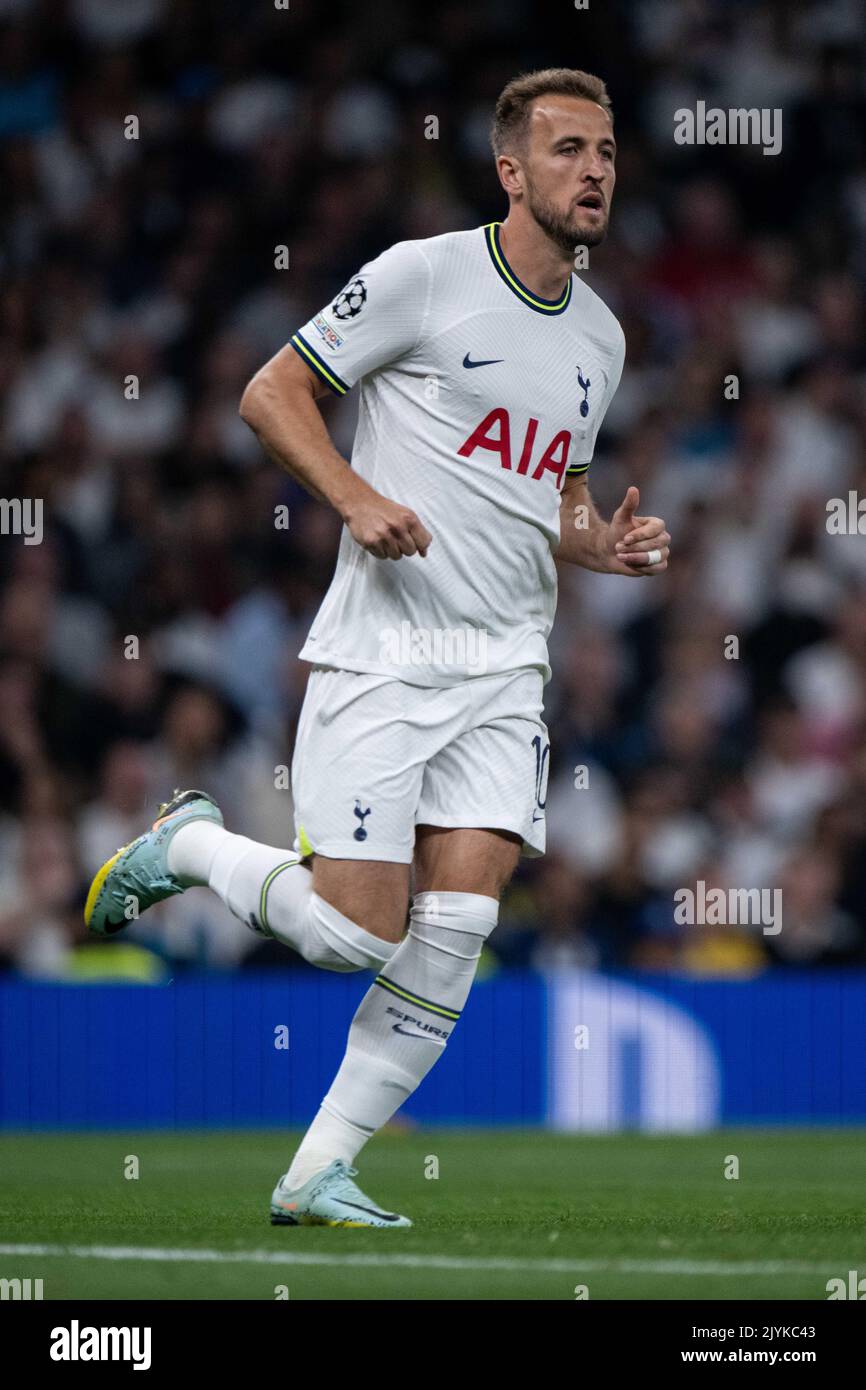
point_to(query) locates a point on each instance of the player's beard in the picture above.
(562, 228)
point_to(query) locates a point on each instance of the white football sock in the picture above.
(401, 1027)
(191, 851)
(269, 887)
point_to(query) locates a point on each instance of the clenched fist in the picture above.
(387, 529)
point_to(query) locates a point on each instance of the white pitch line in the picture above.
(577, 1265)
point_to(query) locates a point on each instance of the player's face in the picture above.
(569, 170)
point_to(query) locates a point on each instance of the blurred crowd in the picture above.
(709, 725)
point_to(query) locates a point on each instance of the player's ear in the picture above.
(510, 173)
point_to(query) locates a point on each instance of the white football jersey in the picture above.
(477, 399)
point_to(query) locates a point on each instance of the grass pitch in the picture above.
(511, 1215)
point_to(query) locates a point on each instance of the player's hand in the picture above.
(387, 529)
(636, 545)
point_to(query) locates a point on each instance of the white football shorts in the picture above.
(375, 756)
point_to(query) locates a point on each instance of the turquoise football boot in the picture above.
(138, 873)
(330, 1199)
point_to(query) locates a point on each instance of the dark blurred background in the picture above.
(154, 256)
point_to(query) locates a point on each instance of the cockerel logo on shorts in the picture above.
(361, 833)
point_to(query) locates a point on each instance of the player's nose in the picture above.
(595, 170)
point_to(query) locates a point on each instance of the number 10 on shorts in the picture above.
(542, 752)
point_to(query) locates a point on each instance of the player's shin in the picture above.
(402, 1026)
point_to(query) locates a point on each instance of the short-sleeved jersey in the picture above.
(478, 398)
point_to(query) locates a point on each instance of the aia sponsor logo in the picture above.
(527, 456)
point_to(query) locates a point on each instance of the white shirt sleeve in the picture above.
(376, 319)
(580, 466)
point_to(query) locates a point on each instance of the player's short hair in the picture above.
(513, 107)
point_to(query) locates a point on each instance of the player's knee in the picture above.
(385, 920)
(392, 930)
(373, 896)
(466, 861)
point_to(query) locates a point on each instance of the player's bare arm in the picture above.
(279, 405)
(627, 544)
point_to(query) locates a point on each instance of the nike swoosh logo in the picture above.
(488, 362)
(424, 1037)
(535, 818)
(371, 1211)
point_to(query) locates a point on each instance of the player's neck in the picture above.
(541, 265)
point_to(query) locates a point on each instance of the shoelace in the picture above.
(341, 1184)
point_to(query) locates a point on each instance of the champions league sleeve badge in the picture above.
(351, 300)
